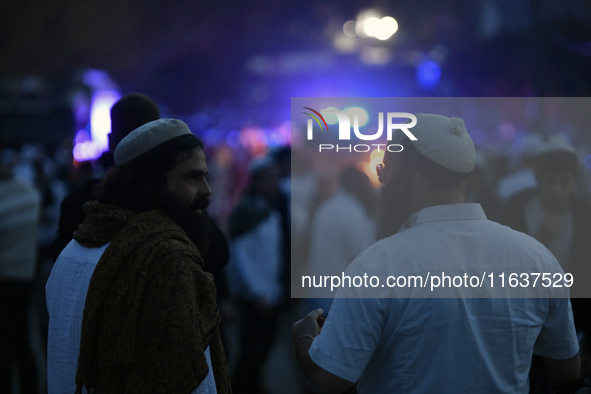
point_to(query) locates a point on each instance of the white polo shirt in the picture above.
(459, 345)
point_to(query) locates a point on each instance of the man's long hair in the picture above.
(139, 185)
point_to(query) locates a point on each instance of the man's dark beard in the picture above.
(196, 226)
(394, 206)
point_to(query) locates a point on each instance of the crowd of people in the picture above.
(132, 287)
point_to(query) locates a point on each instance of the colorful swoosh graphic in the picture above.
(315, 118)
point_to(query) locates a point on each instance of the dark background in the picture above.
(242, 61)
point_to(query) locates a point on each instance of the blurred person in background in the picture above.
(20, 207)
(258, 270)
(131, 309)
(523, 178)
(282, 156)
(343, 226)
(556, 214)
(480, 187)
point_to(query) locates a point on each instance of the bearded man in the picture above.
(130, 308)
(415, 342)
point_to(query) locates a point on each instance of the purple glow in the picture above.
(507, 131)
(88, 150)
(213, 137)
(96, 114)
(98, 79)
(587, 161)
(81, 106)
(428, 74)
(81, 136)
(233, 139)
(100, 117)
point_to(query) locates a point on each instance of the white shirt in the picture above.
(460, 345)
(341, 229)
(256, 261)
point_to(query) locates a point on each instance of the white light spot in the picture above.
(349, 29)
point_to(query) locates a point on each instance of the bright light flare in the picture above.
(382, 29)
(100, 116)
(386, 28)
(363, 16)
(371, 26)
(363, 117)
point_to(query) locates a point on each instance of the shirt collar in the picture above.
(437, 213)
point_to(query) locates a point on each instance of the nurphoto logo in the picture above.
(344, 122)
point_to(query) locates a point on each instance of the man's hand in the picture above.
(562, 372)
(308, 327)
(303, 333)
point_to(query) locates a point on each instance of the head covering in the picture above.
(444, 141)
(554, 145)
(556, 154)
(149, 136)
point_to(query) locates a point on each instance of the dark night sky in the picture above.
(195, 54)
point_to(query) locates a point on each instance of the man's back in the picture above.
(448, 344)
(454, 345)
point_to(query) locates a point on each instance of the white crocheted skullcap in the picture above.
(148, 136)
(445, 141)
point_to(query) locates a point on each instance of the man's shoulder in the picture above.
(154, 221)
(508, 236)
(153, 238)
(414, 243)
(154, 230)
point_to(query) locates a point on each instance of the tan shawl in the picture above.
(150, 309)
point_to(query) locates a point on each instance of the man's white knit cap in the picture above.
(445, 141)
(148, 136)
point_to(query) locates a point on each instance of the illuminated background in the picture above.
(230, 68)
